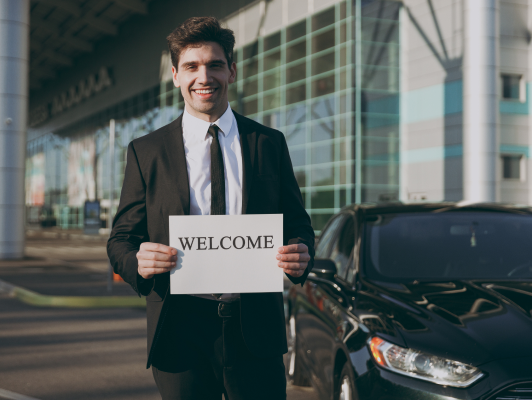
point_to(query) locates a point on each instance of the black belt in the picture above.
(228, 309)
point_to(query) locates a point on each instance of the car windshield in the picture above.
(446, 246)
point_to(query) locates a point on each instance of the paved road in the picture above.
(72, 354)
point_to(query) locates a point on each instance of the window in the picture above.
(511, 87)
(296, 31)
(342, 248)
(272, 41)
(323, 250)
(511, 167)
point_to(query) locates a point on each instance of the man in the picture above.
(210, 160)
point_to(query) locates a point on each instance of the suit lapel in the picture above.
(248, 144)
(178, 203)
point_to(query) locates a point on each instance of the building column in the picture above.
(14, 64)
(481, 101)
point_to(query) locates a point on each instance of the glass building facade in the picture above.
(329, 82)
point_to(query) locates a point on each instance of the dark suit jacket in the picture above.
(156, 186)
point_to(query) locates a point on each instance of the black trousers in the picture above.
(201, 355)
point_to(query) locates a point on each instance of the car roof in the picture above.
(403, 207)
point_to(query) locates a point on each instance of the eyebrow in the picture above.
(193, 63)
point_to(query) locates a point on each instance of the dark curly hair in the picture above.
(197, 30)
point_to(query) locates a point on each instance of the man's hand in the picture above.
(155, 258)
(293, 259)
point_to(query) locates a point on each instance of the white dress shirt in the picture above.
(197, 143)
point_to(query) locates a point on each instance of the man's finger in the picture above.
(158, 247)
(151, 264)
(293, 248)
(293, 266)
(295, 274)
(152, 255)
(294, 257)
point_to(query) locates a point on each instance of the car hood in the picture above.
(470, 321)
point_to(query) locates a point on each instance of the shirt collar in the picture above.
(193, 124)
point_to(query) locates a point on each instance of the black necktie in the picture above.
(217, 174)
(217, 179)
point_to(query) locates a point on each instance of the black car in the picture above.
(426, 301)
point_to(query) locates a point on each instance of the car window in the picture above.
(343, 245)
(323, 250)
(447, 246)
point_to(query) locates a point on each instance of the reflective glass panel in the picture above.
(296, 51)
(272, 80)
(381, 9)
(319, 220)
(321, 176)
(272, 41)
(296, 31)
(322, 153)
(323, 86)
(322, 108)
(296, 73)
(296, 114)
(323, 19)
(250, 107)
(272, 61)
(379, 30)
(251, 68)
(295, 134)
(251, 88)
(301, 178)
(323, 63)
(251, 50)
(323, 41)
(298, 157)
(295, 94)
(322, 131)
(271, 101)
(322, 199)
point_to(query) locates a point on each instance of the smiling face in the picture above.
(204, 77)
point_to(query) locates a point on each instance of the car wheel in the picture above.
(345, 386)
(295, 373)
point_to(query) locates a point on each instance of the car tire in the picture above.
(345, 385)
(295, 374)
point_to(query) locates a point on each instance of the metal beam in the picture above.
(57, 58)
(38, 72)
(79, 44)
(57, 35)
(68, 6)
(136, 6)
(46, 25)
(102, 25)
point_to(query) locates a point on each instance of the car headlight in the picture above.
(423, 366)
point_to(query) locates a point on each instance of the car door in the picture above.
(306, 305)
(330, 296)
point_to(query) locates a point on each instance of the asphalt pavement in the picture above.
(63, 353)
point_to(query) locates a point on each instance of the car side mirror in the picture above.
(324, 268)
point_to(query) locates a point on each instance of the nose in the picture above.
(204, 77)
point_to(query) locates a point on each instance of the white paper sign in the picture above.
(226, 253)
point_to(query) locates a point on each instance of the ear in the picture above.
(175, 78)
(232, 76)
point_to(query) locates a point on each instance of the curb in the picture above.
(41, 300)
(6, 394)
